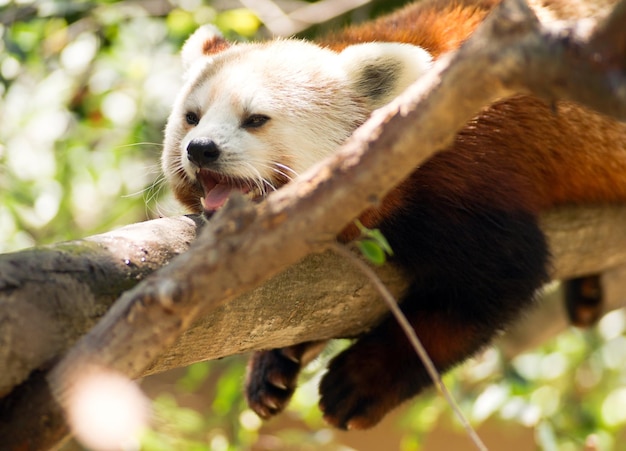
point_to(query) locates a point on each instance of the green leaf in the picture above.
(373, 244)
(377, 236)
(372, 251)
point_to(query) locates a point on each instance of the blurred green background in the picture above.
(85, 89)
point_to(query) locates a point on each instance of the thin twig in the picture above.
(413, 338)
(281, 23)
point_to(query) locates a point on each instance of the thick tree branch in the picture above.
(52, 295)
(36, 329)
(323, 296)
(245, 245)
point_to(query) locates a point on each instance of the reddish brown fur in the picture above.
(438, 26)
(215, 45)
(546, 155)
(518, 155)
(371, 366)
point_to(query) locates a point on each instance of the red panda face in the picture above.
(251, 117)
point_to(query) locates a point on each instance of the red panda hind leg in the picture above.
(390, 372)
(474, 271)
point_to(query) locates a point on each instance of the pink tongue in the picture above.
(217, 196)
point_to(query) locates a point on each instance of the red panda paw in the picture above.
(359, 388)
(271, 380)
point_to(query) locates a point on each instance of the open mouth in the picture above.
(217, 188)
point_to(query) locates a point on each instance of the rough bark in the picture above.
(52, 295)
(246, 246)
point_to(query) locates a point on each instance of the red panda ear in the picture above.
(205, 41)
(380, 71)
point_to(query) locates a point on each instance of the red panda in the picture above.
(463, 226)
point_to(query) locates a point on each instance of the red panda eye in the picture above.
(192, 118)
(255, 121)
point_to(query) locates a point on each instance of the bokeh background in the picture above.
(85, 90)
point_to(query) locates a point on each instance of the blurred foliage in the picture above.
(85, 90)
(569, 389)
(86, 87)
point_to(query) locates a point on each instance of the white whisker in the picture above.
(286, 168)
(257, 178)
(278, 168)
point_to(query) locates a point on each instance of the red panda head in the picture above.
(251, 117)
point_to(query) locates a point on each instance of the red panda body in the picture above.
(537, 154)
(465, 223)
(463, 226)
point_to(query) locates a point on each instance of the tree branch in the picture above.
(52, 295)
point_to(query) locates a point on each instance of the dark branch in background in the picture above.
(244, 246)
(19, 14)
(73, 10)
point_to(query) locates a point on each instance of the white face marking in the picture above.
(310, 110)
(306, 98)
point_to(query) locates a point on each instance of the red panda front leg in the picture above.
(272, 376)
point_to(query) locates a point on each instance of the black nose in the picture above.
(202, 152)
